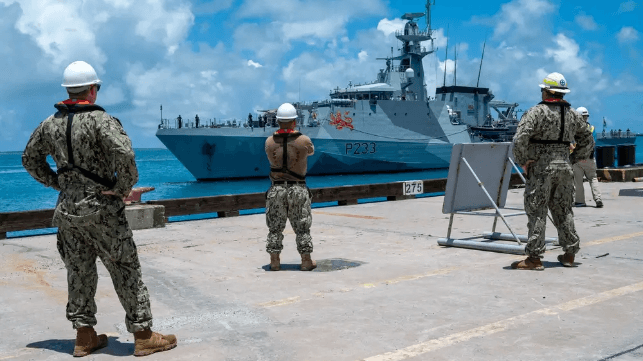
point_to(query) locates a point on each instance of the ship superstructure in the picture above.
(387, 125)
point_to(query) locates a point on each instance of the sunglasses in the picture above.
(97, 87)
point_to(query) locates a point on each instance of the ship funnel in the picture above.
(410, 73)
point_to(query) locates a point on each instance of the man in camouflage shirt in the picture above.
(288, 198)
(96, 171)
(541, 147)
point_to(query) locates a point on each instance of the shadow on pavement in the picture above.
(114, 347)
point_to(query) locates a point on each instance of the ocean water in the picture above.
(158, 168)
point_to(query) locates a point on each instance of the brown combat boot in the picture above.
(87, 341)
(275, 263)
(530, 263)
(566, 259)
(307, 264)
(147, 342)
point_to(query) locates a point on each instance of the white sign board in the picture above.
(490, 162)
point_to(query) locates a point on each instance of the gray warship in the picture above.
(388, 125)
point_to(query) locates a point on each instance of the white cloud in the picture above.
(566, 55)
(42, 20)
(440, 38)
(363, 56)
(310, 19)
(323, 29)
(521, 17)
(627, 6)
(389, 27)
(586, 22)
(169, 26)
(254, 64)
(627, 35)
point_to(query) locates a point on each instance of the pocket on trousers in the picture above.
(64, 219)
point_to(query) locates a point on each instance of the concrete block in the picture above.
(144, 216)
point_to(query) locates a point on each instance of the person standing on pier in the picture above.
(288, 197)
(96, 171)
(541, 147)
(585, 168)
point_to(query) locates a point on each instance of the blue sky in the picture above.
(225, 58)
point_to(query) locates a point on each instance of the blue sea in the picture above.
(158, 168)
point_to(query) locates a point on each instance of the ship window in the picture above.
(405, 113)
(369, 113)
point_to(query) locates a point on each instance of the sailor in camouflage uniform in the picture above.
(288, 198)
(96, 171)
(541, 147)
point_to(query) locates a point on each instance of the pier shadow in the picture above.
(114, 347)
(323, 265)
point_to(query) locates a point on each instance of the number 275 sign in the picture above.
(413, 187)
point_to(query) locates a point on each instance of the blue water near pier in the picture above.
(158, 168)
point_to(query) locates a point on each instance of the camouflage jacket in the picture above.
(99, 145)
(539, 136)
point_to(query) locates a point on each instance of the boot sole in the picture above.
(566, 264)
(155, 350)
(98, 347)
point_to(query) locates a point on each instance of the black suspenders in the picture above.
(284, 164)
(70, 159)
(563, 108)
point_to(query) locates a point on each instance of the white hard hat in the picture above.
(78, 76)
(555, 82)
(582, 111)
(286, 113)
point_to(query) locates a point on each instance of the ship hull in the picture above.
(210, 157)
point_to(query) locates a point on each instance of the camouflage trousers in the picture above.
(288, 202)
(552, 187)
(587, 168)
(104, 235)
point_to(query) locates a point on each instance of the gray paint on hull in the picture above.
(414, 116)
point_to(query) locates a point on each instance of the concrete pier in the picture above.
(384, 290)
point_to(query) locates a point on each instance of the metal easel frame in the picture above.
(493, 235)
